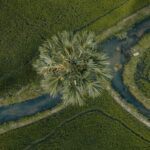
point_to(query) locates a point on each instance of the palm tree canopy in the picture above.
(71, 65)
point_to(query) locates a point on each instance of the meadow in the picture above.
(101, 123)
(25, 24)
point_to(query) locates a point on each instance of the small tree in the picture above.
(71, 65)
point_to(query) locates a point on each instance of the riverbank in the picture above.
(26, 93)
(128, 107)
(28, 120)
(122, 26)
(130, 69)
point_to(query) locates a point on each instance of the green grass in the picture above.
(91, 131)
(142, 74)
(25, 24)
(133, 75)
(125, 10)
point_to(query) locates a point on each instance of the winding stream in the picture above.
(118, 50)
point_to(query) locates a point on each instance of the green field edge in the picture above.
(130, 70)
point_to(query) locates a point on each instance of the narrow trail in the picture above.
(100, 17)
(83, 113)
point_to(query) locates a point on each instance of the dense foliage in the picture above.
(71, 65)
(142, 75)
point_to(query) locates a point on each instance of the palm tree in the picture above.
(71, 65)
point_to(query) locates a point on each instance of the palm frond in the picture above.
(71, 65)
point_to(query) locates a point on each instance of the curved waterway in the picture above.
(119, 52)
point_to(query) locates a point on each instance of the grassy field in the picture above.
(133, 75)
(25, 24)
(108, 128)
(142, 75)
(23, 27)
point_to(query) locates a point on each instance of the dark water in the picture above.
(44, 102)
(27, 108)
